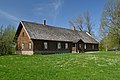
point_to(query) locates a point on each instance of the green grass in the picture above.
(93, 66)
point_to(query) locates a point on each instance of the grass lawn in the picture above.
(92, 66)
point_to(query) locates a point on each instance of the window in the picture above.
(79, 45)
(30, 45)
(66, 45)
(85, 46)
(23, 34)
(45, 45)
(22, 45)
(59, 45)
(93, 46)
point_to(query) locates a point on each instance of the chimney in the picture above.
(74, 28)
(44, 22)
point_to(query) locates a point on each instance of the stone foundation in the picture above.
(25, 52)
(47, 52)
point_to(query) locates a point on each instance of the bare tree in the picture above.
(72, 24)
(77, 23)
(88, 23)
(83, 23)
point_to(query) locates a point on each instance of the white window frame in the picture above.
(23, 45)
(93, 46)
(80, 45)
(30, 45)
(85, 47)
(66, 45)
(45, 45)
(59, 45)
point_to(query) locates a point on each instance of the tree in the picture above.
(88, 23)
(77, 23)
(1, 40)
(110, 24)
(83, 23)
(7, 46)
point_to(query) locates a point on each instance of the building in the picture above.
(33, 38)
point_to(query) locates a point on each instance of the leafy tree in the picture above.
(1, 39)
(7, 46)
(110, 24)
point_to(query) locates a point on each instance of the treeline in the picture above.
(7, 44)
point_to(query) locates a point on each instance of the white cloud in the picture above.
(9, 16)
(50, 9)
(57, 5)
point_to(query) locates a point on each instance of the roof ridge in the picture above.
(50, 26)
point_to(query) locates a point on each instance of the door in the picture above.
(80, 47)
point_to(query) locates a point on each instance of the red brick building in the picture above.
(33, 38)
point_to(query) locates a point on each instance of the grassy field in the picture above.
(92, 66)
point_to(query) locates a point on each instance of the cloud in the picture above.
(50, 9)
(57, 5)
(9, 16)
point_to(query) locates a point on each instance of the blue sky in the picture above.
(55, 12)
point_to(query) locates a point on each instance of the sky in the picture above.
(55, 12)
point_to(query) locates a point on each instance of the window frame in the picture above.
(80, 45)
(30, 45)
(45, 45)
(93, 46)
(85, 46)
(59, 45)
(66, 45)
(23, 45)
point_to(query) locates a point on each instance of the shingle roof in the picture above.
(45, 32)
